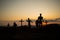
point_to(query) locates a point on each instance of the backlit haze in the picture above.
(22, 9)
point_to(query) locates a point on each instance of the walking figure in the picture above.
(40, 19)
(29, 21)
(21, 22)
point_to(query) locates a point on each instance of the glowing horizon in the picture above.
(23, 9)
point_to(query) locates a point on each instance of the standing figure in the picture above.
(8, 25)
(40, 19)
(29, 22)
(14, 24)
(36, 22)
(46, 22)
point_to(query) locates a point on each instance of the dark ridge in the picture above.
(24, 32)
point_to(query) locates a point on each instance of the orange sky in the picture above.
(22, 9)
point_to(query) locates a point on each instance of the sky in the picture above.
(23, 9)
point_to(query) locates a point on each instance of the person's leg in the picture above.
(38, 25)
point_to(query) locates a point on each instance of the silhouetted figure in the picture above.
(21, 21)
(40, 19)
(8, 25)
(36, 23)
(29, 22)
(14, 24)
(46, 22)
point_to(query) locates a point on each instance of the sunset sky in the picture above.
(22, 9)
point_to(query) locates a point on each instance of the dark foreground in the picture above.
(51, 31)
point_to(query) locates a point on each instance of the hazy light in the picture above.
(22, 9)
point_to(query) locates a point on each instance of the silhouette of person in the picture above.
(46, 22)
(21, 21)
(14, 24)
(40, 19)
(8, 25)
(29, 22)
(36, 23)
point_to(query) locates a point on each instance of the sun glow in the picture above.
(16, 10)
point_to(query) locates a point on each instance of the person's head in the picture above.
(40, 14)
(21, 19)
(28, 18)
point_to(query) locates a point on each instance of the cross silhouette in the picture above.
(29, 22)
(21, 21)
